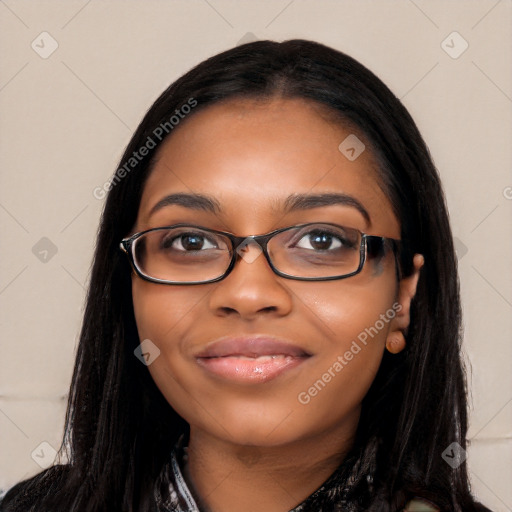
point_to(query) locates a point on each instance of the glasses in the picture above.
(190, 254)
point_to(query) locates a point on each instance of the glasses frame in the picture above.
(127, 244)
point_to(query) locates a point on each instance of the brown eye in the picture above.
(325, 239)
(187, 242)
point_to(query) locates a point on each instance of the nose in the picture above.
(251, 288)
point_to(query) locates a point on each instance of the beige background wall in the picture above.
(66, 117)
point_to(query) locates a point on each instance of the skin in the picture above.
(256, 447)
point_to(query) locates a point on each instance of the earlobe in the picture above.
(395, 341)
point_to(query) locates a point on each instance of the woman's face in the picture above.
(250, 157)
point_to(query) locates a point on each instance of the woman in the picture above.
(273, 318)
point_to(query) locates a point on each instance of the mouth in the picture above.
(253, 359)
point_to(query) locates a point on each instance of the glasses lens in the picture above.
(316, 250)
(182, 254)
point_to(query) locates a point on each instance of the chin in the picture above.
(271, 425)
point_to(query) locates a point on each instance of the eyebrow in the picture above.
(293, 202)
(189, 200)
(296, 202)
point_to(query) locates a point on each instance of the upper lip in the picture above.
(251, 346)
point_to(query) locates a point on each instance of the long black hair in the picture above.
(119, 428)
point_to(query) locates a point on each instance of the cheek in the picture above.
(356, 320)
(160, 309)
(164, 314)
(345, 310)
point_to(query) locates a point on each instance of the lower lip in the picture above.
(257, 370)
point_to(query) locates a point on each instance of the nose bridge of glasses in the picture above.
(250, 247)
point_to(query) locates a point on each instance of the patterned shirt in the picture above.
(172, 493)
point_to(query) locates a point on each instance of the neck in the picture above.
(229, 477)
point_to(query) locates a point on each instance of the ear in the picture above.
(395, 341)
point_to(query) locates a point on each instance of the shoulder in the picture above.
(25, 495)
(421, 505)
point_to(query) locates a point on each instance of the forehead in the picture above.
(250, 156)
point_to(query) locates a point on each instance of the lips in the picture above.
(252, 359)
(251, 347)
